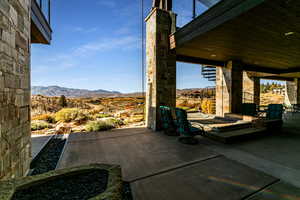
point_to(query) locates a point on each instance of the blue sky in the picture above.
(97, 45)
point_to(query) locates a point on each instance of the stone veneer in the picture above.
(292, 94)
(161, 65)
(229, 86)
(251, 89)
(14, 88)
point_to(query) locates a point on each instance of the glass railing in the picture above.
(45, 7)
(187, 10)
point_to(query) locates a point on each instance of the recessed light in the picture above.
(289, 33)
(213, 55)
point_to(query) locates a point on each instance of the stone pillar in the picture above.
(229, 86)
(15, 149)
(292, 92)
(161, 65)
(251, 89)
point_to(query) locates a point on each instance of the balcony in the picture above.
(41, 31)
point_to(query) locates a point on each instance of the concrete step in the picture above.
(236, 135)
(233, 127)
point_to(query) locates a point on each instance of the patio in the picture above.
(158, 167)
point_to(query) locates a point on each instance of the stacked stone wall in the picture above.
(161, 65)
(15, 153)
(229, 86)
(292, 94)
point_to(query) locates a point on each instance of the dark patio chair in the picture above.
(167, 121)
(275, 111)
(185, 129)
(249, 109)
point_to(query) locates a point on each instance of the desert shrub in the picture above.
(71, 114)
(50, 118)
(115, 122)
(101, 115)
(39, 125)
(99, 125)
(95, 111)
(193, 109)
(184, 107)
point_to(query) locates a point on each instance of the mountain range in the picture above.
(71, 92)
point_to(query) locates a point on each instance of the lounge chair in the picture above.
(185, 129)
(167, 122)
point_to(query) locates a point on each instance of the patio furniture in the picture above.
(167, 122)
(275, 111)
(249, 109)
(262, 111)
(185, 129)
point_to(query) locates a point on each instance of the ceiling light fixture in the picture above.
(289, 33)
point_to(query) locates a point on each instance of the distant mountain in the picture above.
(70, 92)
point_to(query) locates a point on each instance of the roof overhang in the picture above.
(40, 28)
(262, 34)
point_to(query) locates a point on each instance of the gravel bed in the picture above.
(49, 156)
(127, 195)
(74, 187)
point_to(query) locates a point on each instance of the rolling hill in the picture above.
(71, 92)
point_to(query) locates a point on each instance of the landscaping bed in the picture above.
(80, 187)
(49, 156)
(96, 181)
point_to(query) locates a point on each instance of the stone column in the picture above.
(15, 143)
(251, 89)
(292, 92)
(229, 86)
(161, 65)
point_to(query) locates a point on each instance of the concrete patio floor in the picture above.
(160, 168)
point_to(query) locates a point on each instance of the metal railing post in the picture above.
(49, 12)
(194, 9)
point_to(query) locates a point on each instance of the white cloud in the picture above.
(72, 58)
(84, 30)
(122, 43)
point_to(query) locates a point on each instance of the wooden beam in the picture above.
(279, 78)
(193, 60)
(291, 70)
(256, 68)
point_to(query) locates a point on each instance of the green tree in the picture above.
(62, 101)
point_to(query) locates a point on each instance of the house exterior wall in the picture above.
(161, 65)
(15, 145)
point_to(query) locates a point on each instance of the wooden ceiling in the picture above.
(260, 33)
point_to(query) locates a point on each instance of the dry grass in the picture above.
(269, 98)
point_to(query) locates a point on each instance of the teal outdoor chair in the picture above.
(167, 122)
(185, 129)
(275, 111)
(249, 109)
